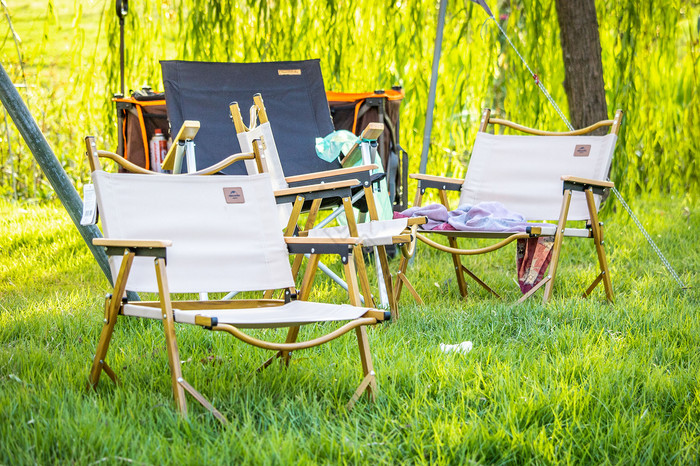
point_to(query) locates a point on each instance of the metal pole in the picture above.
(121, 55)
(51, 167)
(433, 86)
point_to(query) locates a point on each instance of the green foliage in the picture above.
(575, 381)
(650, 53)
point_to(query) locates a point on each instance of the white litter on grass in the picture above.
(461, 348)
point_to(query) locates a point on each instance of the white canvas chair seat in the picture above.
(285, 315)
(543, 176)
(381, 233)
(182, 234)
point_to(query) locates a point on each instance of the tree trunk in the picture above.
(583, 67)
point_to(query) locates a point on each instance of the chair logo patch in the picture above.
(234, 195)
(582, 150)
(295, 72)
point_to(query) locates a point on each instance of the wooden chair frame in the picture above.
(569, 184)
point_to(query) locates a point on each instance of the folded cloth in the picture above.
(532, 258)
(533, 254)
(435, 213)
(487, 216)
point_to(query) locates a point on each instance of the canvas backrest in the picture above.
(224, 229)
(524, 172)
(269, 159)
(297, 104)
(268, 153)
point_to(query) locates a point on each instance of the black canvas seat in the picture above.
(295, 99)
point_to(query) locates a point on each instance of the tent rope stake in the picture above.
(636, 221)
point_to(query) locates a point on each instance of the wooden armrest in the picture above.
(188, 131)
(439, 179)
(438, 182)
(377, 314)
(217, 167)
(371, 132)
(417, 221)
(578, 180)
(122, 162)
(329, 173)
(316, 187)
(131, 243)
(306, 240)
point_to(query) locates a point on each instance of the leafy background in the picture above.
(69, 70)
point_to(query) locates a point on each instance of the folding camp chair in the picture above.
(296, 103)
(297, 191)
(525, 173)
(212, 233)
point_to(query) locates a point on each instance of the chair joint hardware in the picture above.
(289, 296)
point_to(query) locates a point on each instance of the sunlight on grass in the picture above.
(573, 381)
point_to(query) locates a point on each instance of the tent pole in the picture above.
(433, 86)
(51, 167)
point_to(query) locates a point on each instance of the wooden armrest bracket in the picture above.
(335, 189)
(148, 248)
(581, 184)
(340, 246)
(437, 182)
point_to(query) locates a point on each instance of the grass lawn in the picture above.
(571, 382)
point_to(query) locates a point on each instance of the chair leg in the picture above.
(170, 339)
(112, 306)
(597, 230)
(310, 220)
(556, 248)
(401, 280)
(351, 279)
(479, 281)
(457, 262)
(292, 335)
(369, 382)
(98, 363)
(384, 261)
(361, 268)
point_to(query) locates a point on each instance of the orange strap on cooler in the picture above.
(359, 97)
(139, 104)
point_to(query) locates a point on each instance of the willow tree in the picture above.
(583, 66)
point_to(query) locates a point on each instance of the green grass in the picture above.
(575, 381)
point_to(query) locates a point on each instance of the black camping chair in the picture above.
(295, 100)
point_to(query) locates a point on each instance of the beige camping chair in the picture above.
(295, 191)
(185, 234)
(528, 173)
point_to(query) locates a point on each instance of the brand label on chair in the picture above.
(582, 150)
(234, 195)
(295, 72)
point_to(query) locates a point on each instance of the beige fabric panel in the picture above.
(270, 155)
(271, 159)
(375, 233)
(225, 231)
(294, 313)
(524, 172)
